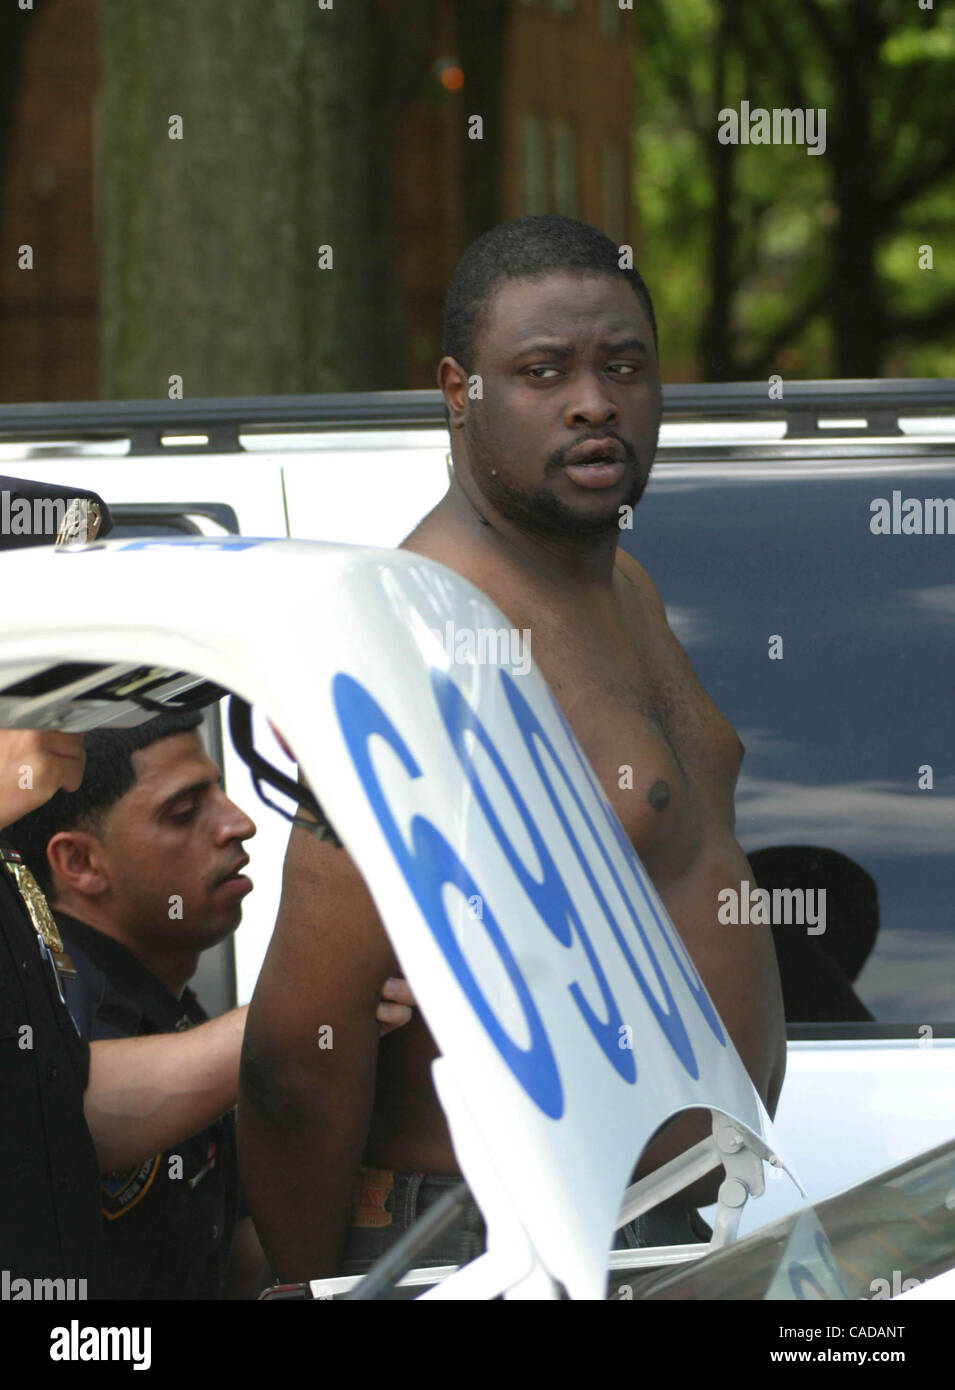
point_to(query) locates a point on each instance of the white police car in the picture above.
(570, 1019)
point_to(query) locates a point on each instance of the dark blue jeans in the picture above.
(386, 1204)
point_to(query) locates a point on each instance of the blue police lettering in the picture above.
(427, 865)
(669, 1019)
(550, 897)
(682, 962)
(196, 543)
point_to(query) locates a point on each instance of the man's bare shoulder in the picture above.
(634, 572)
(438, 537)
(437, 534)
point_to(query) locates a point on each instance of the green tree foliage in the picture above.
(764, 258)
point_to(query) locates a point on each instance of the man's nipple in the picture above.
(659, 795)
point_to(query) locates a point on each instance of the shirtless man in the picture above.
(561, 437)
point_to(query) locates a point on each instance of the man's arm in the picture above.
(149, 1094)
(248, 1267)
(309, 1060)
(742, 978)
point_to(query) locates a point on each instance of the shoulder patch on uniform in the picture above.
(121, 1191)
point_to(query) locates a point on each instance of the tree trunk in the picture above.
(716, 337)
(210, 243)
(857, 317)
(482, 31)
(15, 28)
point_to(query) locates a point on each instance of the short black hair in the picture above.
(526, 249)
(108, 776)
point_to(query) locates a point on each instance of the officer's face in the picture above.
(172, 849)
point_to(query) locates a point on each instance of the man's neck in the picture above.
(578, 560)
(173, 969)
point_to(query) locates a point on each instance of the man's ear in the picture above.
(453, 383)
(76, 864)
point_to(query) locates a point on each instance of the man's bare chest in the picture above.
(665, 754)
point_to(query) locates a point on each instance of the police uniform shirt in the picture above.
(169, 1222)
(50, 1225)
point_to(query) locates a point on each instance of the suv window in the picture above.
(847, 716)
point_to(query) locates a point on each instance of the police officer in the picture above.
(170, 1219)
(49, 1179)
(143, 869)
(150, 826)
(70, 1110)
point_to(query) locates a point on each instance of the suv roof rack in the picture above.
(216, 423)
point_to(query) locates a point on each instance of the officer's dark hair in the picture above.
(526, 249)
(108, 776)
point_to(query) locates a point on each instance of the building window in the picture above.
(611, 20)
(533, 165)
(615, 192)
(564, 150)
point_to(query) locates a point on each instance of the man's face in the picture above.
(175, 836)
(565, 361)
